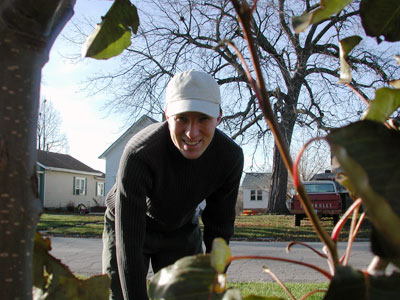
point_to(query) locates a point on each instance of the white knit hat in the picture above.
(193, 91)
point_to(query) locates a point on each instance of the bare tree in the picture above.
(301, 71)
(315, 159)
(49, 137)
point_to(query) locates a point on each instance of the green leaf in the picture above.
(113, 35)
(106, 42)
(381, 18)
(344, 180)
(346, 45)
(385, 103)
(220, 255)
(349, 283)
(54, 280)
(191, 277)
(326, 9)
(368, 153)
(41, 248)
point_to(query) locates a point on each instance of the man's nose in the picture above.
(192, 129)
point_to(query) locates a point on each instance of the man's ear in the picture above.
(165, 114)
(219, 117)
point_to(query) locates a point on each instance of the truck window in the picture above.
(319, 188)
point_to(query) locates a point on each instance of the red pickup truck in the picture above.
(326, 198)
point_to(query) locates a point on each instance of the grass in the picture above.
(281, 228)
(257, 227)
(269, 289)
(71, 224)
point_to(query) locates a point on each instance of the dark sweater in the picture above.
(158, 189)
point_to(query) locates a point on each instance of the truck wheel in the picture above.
(297, 220)
(335, 219)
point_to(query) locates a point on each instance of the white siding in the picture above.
(112, 163)
(59, 190)
(252, 204)
(114, 154)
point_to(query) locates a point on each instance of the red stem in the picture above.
(358, 94)
(342, 221)
(346, 256)
(284, 287)
(307, 246)
(312, 293)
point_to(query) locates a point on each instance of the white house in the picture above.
(113, 153)
(66, 182)
(255, 188)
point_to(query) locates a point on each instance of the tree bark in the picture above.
(27, 31)
(278, 190)
(279, 180)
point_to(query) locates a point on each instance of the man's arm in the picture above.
(220, 211)
(130, 227)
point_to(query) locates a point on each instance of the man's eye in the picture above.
(204, 118)
(180, 119)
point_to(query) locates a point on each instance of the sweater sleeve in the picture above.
(130, 226)
(220, 211)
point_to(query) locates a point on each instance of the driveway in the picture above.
(83, 256)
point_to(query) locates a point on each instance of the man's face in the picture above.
(192, 132)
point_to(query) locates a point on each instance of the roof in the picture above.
(257, 180)
(131, 130)
(52, 160)
(324, 176)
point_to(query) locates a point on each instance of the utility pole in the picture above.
(44, 124)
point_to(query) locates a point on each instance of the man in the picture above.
(166, 170)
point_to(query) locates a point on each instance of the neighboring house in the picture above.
(113, 153)
(255, 189)
(65, 181)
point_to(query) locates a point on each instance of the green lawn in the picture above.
(268, 227)
(269, 289)
(281, 228)
(71, 224)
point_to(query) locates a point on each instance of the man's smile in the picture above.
(191, 143)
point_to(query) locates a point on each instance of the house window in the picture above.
(100, 189)
(79, 186)
(256, 195)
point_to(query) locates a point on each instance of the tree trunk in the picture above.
(279, 180)
(27, 31)
(278, 190)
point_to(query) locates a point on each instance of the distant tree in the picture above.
(301, 71)
(49, 137)
(315, 159)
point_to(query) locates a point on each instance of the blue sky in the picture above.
(89, 130)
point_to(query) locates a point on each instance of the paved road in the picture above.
(83, 256)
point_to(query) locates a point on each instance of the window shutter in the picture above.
(73, 186)
(95, 188)
(85, 186)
